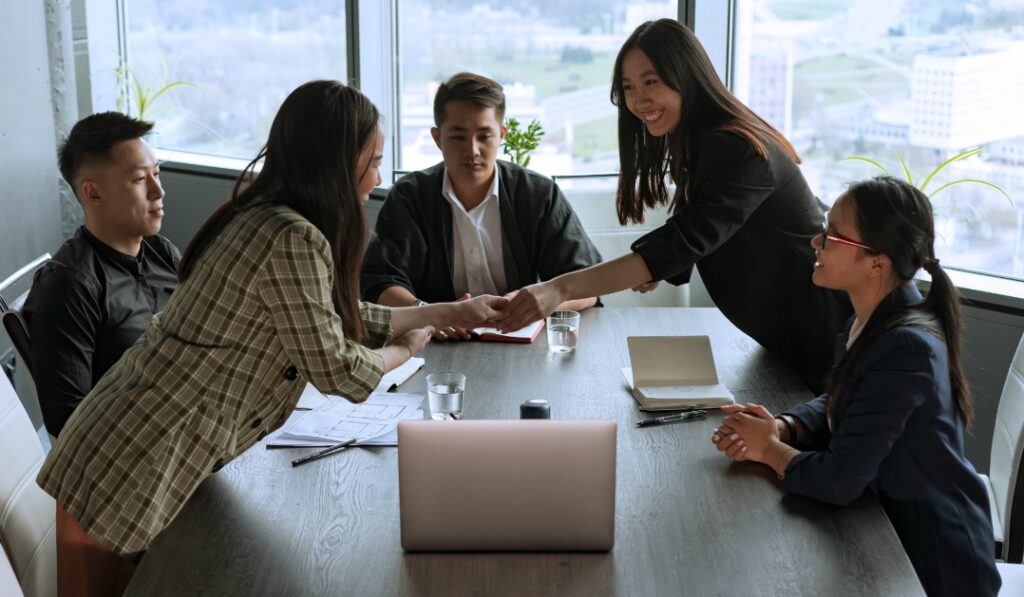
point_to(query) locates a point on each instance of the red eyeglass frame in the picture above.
(839, 238)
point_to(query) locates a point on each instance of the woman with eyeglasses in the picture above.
(893, 417)
(742, 212)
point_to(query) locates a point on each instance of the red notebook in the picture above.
(524, 336)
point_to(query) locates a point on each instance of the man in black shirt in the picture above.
(96, 296)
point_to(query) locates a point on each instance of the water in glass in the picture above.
(445, 400)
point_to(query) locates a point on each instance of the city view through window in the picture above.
(888, 80)
(917, 80)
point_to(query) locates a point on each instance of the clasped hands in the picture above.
(748, 432)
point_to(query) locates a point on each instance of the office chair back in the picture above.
(1007, 483)
(10, 312)
(27, 513)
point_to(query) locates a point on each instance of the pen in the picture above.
(324, 452)
(692, 414)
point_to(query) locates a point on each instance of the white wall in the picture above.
(30, 214)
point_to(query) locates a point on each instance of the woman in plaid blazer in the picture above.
(268, 300)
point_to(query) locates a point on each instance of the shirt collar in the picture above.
(448, 191)
(133, 264)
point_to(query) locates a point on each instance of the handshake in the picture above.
(508, 313)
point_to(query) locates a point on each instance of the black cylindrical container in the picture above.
(535, 409)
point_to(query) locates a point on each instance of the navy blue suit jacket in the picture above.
(897, 433)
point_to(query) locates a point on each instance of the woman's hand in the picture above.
(529, 305)
(478, 311)
(454, 332)
(752, 425)
(415, 339)
(645, 287)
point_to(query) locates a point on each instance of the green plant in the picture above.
(923, 186)
(519, 143)
(144, 94)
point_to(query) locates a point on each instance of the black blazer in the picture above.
(541, 235)
(898, 434)
(747, 225)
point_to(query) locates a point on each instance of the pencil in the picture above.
(325, 452)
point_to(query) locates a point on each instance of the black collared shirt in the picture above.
(87, 306)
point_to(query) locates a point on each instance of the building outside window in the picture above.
(920, 80)
(554, 60)
(241, 58)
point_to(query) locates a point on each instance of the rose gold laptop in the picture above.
(533, 485)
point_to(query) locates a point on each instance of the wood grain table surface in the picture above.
(688, 521)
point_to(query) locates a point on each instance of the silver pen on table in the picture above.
(325, 452)
(683, 416)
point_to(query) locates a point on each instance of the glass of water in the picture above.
(445, 392)
(563, 330)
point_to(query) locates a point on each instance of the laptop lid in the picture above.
(533, 485)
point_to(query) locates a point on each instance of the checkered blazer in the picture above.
(219, 368)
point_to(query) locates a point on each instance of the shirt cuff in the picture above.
(657, 248)
(377, 320)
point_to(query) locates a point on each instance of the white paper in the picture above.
(525, 333)
(312, 398)
(399, 375)
(387, 439)
(338, 420)
(684, 392)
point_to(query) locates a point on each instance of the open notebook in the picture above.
(524, 335)
(674, 372)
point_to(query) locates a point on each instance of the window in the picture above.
(919, 80)
(241, 59)
(554, 60)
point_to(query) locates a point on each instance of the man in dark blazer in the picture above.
(471, 224)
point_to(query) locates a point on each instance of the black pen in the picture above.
(683, 416)
(324, 452)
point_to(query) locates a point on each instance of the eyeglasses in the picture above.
(839, 238)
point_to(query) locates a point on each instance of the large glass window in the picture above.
(240, 59)
(554, 60)
(917, 80)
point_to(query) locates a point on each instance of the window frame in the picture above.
(373, 58)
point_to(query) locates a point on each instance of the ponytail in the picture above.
(943, 301)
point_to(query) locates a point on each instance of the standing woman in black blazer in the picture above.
(892, 421)
(742, 212)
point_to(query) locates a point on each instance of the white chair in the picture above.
(8, 581)
(1013, 579)
(27, 513)
(1004, 481)
(10, 311)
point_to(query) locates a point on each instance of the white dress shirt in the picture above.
(478, 262)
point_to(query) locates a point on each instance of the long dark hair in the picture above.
(707, 105)
(896, 219)
(309, 165)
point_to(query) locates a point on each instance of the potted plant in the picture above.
(924, 184)
(519, 143)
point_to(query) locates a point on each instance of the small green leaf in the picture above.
(906, 172)
(857, 158)
(976, 180)
(963, 155)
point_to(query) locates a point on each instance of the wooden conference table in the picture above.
(688, 521)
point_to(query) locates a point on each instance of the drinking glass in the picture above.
(445, 391)
(563, 330)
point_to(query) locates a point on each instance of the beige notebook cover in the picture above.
(674, 372)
